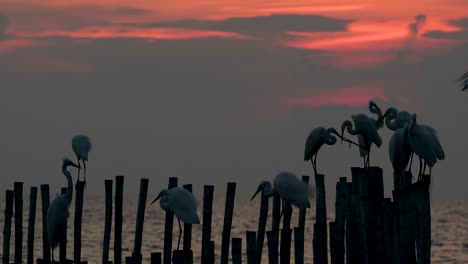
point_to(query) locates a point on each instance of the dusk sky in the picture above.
(216, 91)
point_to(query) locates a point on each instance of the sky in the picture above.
(217, 91)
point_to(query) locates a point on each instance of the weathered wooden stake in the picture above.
(78, 219)
(228, 212)
(207, 209)
(333, 242)
(187, 246)
(364, 211)
(275, 227)
(31, 224)
(262, 220)
(236, 250)
(272, 252)
(353, 249)
(302, 212)
(9, 195)
(168, 227)
(107, 221)
(423, 241)
(63, 240)
(299, 245)
(251, 247)
(45, 239)
(18, 189)
(320, 227)
(156, 258)
(136, 256)
(286, 232)
(118, 219)
(374, 215)
(340, 219)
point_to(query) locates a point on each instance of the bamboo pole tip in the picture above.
(343, 179)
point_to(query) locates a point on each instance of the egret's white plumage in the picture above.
(362, 140)
(182, 203)
(315, 140)
(57, 213)
(289, 187)
(400, 150)
(81, 145)
(364, 126)
(395, 120)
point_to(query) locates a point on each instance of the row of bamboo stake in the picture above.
(368, 228)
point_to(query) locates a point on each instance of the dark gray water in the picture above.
(449, 229)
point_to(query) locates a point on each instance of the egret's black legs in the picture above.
(282, 209)
(420, 168)
(411, 161)
(84, 166)
(180, 233)
(79, 170)
(315, 163)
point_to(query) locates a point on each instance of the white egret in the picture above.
(57, 213)
(425, 143)
(400, 151)
(289, 187)
(395, 119)
(317, 137)
(365, 126)
(463, 80)
(81, 145)
(362, 140)
(182, 203)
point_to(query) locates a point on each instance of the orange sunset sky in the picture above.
(253, 76)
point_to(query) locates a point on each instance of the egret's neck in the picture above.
(69, 193)
(164, 203)
(331, 140)
(268, 191)
(391, 123)
(349, 128)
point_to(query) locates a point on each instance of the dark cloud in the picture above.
(132, 11)
(261, 24)
(417, 25)
(3, 25)
(462, 34)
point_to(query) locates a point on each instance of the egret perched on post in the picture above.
(362, 141)
(317, 137)
(57, 213)
(400, 151)
(81, 145)
(365, 126)
(463, 80)
(289, 187)
(425, 143)
(182, 203)
(395, 119)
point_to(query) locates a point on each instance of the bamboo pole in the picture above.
(251, 247)
(333, 242)
(45, 239)
(18, 190)
(286, 232)
(353, 249)
(374, 215)
(364, 211)
(302, 212)
(107, 221)
(9, 198)
(228, 212)
(320, 227)
(299, 245)
(424, 220)
(168, 226)
(119, 182)
(136, 256)
(31, 224)
(207, 209)
(340, 219)
(236, 250)
(272, 253)
(156, 258)
(262, 219)
(187, 244)
(78, 220)
(63, 239)
(275, 227)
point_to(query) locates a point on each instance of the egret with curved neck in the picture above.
(315, 140)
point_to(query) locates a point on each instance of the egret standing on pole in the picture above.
(317, 137)
(81, 145)
(182, 203)
(400, 151)
(57, 213)
(362, 141)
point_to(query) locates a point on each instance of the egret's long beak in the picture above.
(255, 194)
(342, 132)
(384, 115)
(157, 198)
(74, 165)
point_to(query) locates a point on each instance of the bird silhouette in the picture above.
(57, 213)
(81, 145)
(182, 203)
(362, 140)
(425, 143)
(289, 187)
(365, 126)
(395, 119)
(463, 80)
(317, 137)
(400, 151)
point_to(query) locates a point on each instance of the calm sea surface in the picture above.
(449, 229)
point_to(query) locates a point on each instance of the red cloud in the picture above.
(352, 96)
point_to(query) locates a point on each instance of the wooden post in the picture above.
(168, 226)
(340, 218)
(374, 215)
(262, 219)
(286, 232)
(394, 218)
(18, 190)
(353, 249)
(228, 212)
(136, 256)
(320, 227)
(178, 257)
(9, 195)
(411, 214)
(78, 218)
(364, 211)
(236, 250)
(156, 258)
(45, 239)
(333, 242)
(423, 241)
(275, 227)
(302, 212)
(31, 224)
(207, 209)
(299, 245)
(118, 219)
(251, 247)
(401, 197)
(107, 221)
(63, 240)
(387, 231)
(272, 242)
(187, 246)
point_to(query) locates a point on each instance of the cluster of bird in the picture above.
(409, 137)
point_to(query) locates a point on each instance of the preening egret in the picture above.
(317, 137)
(365, 126)
(289, 187)
(81, 145)
(395, 120)
(425, 143)
(57, 213)
(182, 203)
(463, 80)
(400, 151)
(362, 140)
